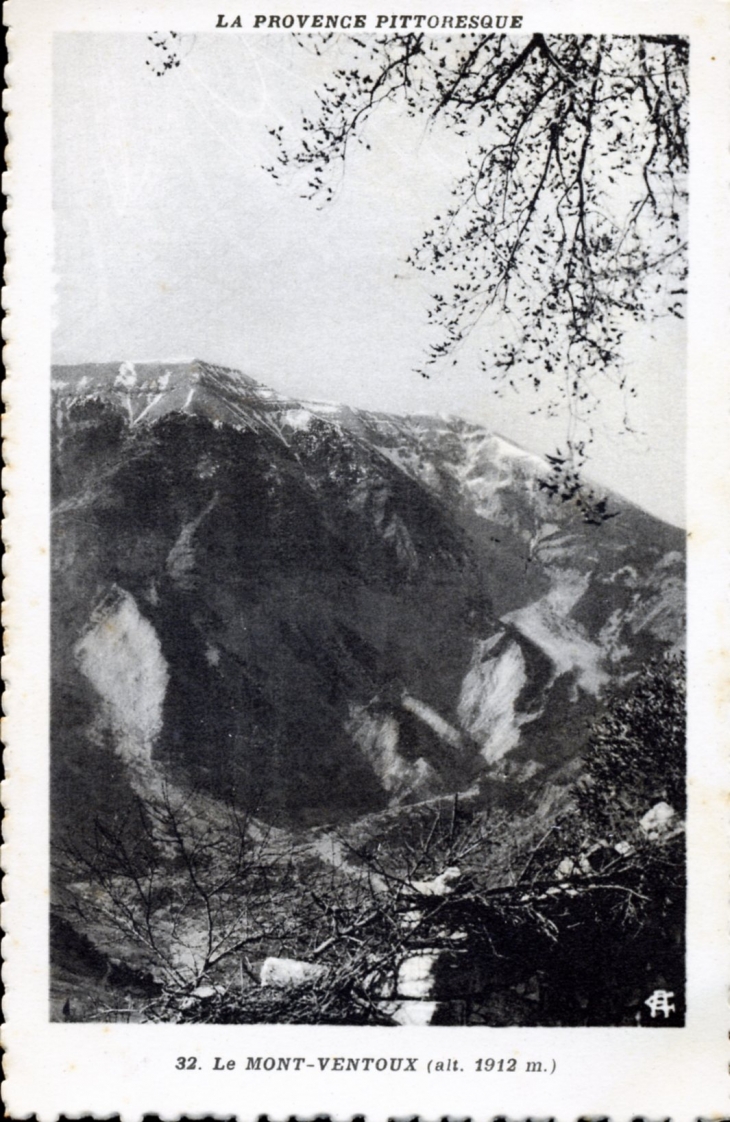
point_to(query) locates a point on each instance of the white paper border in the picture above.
(102, 1069)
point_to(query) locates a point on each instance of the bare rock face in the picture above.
(323, 611)
(119, 654)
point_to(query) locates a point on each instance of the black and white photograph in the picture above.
(366, 551)
(368, 425)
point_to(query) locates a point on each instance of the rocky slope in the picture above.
(319, 610)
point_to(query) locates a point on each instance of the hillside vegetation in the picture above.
(306, 658)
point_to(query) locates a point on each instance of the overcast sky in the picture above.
(171, 240)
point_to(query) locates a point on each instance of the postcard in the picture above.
(367, 547)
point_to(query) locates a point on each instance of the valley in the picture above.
(316, 621)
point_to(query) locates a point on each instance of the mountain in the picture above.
(324, 611)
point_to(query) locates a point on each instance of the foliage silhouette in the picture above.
(636, 754)
(567, 221)
(568, 218)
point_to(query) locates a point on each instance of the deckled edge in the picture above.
(6, 665)
(5, 396)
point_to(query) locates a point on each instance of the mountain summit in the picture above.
(321, 610)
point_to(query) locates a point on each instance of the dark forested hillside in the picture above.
(321, 610)
(357, 689)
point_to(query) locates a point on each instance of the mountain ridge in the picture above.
(126, 381)
(340, 609)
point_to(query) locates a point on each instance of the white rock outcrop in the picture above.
(121, 656)
(286, 973)
(658, 821)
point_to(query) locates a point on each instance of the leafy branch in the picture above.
(568, 221)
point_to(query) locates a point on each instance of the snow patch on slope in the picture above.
(120, 655)
(180, 563)
(546, 622)
(377, 736)
(488, 466)
(433, 720)
(297, 419)
(489, 693)
(127, 376)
